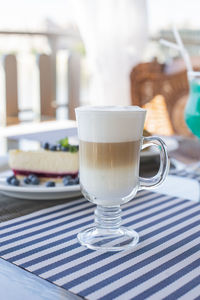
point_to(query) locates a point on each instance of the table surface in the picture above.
(26, 285)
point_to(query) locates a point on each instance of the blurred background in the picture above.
(48, 62)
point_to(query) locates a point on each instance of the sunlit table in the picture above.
(50, 131)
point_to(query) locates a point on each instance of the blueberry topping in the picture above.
(14, 181)
(8, 179)
(35, 180)
(69, 182)
(50, 184)
(68, 177)
(46, 146)
(53, 148)
(58, 147)
(76, 180)
(65, 149)
(27, 180)
(31, 176)
(65, 182)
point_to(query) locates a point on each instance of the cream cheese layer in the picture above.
(44, 161)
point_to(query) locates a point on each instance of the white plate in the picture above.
(171, 143)
(59, 191)
(38, 192)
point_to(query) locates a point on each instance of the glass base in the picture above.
(107, 239)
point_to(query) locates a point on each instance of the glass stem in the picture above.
(108, 217)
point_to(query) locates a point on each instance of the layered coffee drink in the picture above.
(110, 140)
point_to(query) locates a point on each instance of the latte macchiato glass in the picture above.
(110, 142)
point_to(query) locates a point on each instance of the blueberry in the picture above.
(50, 184)
(64, 149)
(46, 146)
(58, 147)
(30, 176)
(8, 179)
(65, 182)
(35, 180)
(53, 148)
(27, 180)
(76, 180)
(72, 182)
(69, 182)
(67, 178)
(14, 181)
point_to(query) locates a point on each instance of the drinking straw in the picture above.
(169, 44)
(180, 47)
(183, 51)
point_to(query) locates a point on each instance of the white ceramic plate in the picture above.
(171, 143)
(59, 191)
(38, 192)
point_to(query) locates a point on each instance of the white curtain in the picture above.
(114, 33)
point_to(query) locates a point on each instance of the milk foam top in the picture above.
(103, 124)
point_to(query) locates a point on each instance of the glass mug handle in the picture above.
(149, 183)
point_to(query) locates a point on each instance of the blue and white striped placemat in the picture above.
(165, 264)
(185, 173)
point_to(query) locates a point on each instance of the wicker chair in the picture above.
(149, 80)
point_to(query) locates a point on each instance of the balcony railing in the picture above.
(47, 104)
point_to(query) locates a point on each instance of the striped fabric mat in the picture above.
(165, 264)
(184, 173)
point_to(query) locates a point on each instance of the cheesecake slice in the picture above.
(44, 163)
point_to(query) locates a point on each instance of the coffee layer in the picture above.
(109, 155)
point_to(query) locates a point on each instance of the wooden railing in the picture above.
(45, 108)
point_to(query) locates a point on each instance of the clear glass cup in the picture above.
(192, 110)
(109, 151)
